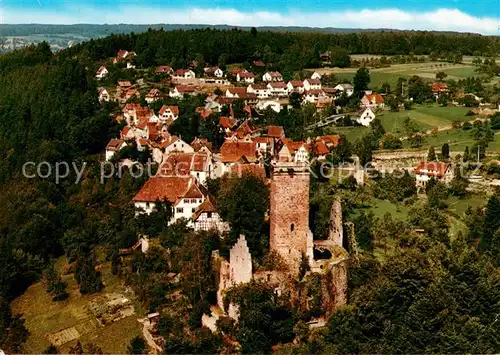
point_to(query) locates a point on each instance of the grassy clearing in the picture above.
(459, 206)
(391, 74)
(426, 117)
(457, 139)
(380, 207)
(43, 316)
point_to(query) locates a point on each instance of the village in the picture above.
(272, 199)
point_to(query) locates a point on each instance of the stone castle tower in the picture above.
(289, 211)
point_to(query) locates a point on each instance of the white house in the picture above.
(207, 218)
(263, 105)
(184, 193)
(372, 101)
(130, 65)
(180, 90)
(103, 94)
(113, 147)
(294, 151)
(184, 74)
(215, 72)
(176, 144)
(197, 164)
(261, 90)
(316, 75)
(272, 76)
(153, 95)
(247, 77)
(347, 88)
(312, 96)
(366, 117)
(427, 170)
(312, 84)
(278, 88)
(167, 113)
(295, 86)
(101, 73)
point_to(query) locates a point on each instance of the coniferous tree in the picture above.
(431, 154)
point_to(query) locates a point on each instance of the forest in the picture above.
(290, 50)
(428, 293)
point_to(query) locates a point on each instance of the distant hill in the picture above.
(64, 36)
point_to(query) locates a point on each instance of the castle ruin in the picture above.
(292, 240)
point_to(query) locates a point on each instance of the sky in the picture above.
(479, 16)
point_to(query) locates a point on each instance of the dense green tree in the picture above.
(361, 80)
(243, 202)
(431, 154)
(86, 275)
(264, 319)
(364, 149)
(340, 57)
(137, 346)
(445, 151)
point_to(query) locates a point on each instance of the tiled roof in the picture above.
(254, 169)
(434, 168)
(296, 83)
(246, 75)
(232, 151)
(275, 131)
(114, 144)
(277, 85)
(181, 164)
(207, 206)
(163, 69)
(227, 122)
(164, 188)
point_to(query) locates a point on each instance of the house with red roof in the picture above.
(101, 73)
(122, 55)
(259, 64)
(184, 74)
(295, 86)
(103, 95)
(197, 164)
(235, 151)
(164, 69)
(153, 95)
(372, 101)
(113, 147)
(168, 113)
(272, 76)
(426, 171)
(184, 193)
(312, 96)
(247, 77)
(278, 88)
(206, 218)
(181, 90)
(312, 84)
(261, 90)
(293, 151)
(214, 72)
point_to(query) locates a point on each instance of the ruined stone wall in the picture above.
(240, 261)
(289, 213)
(335, 229)
(235, 271)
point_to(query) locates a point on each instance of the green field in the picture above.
(391, 74)
(380, 207)
(426, 117)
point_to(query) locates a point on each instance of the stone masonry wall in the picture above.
(335, 230)
(289, 211)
